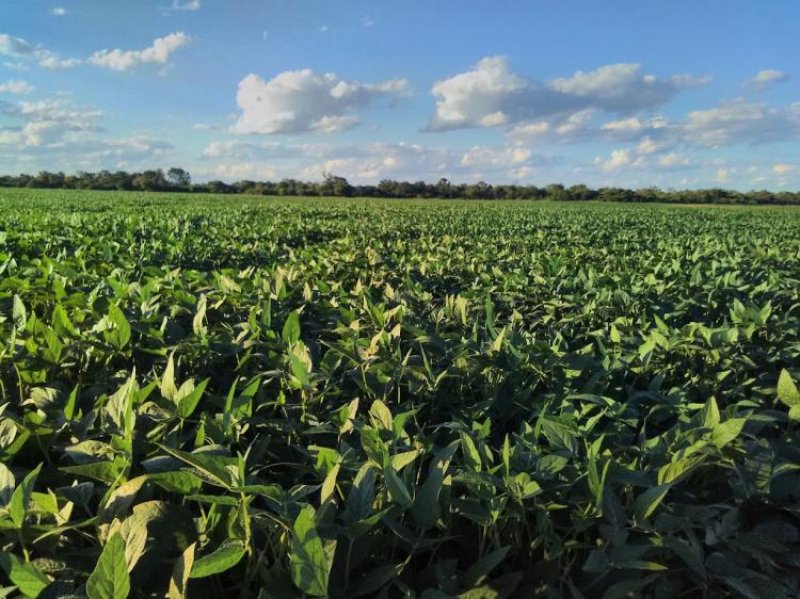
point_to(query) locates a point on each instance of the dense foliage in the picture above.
(273, 398)
(179, 180)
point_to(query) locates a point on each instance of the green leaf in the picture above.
(179, 481)
(188, 403)
(197, 322)
(62, 324)
(401, 460)
(470, 451)
(29, 579)
(212, 467)
(104, 471)
(397, 488)
(478, 572)
(309, 562)
(180, 574)
(168, 388)
(226, 556)
(710, 413)
(727, 431)
(7, 484)
(375, 579)
(110, 579)
(18, 506)
(648, 501)
(120, 336)
(787, 390)
(19, 313)
(329, 484)
(426, 509)
(291, 329)
(380, 415)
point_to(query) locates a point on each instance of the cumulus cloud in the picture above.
(765, 79)
(740, 121)
(491, 95)
(58, 11)
(157, 53)
(188, 5)
(369, 163)
(624, 88)
(19, 48)
(15, 86)
(617, 160)
(782, 169)
(296, 101)
(56, 134)
(46, 122)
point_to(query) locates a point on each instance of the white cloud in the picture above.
(674, 160)
(295, 101)
(723, 175)
(46, 122)
(618, 159)
(739, 121)
(368, 163)
(158, 53)
(782, 169)
(323, 28)
(58, 11)
(15, 86)
(20, 48)
(482, 157)
(624, 87)
(766, 78)
(491, 95)
(188, 5)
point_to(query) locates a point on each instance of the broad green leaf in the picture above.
(29, 579)
(180, 574)
(110, 579)
(19, 313)
(212, 467)
(310, 563)
(198, 326)
(62, 324)
(120, 336)
(7, 484)
(787, 390)
(478, 572)
(380, 415)
(168, 388)
(397, 488)
(329, 484)
(18, 506)
(291, 329)
(188, 403)
(648, 501)
(727, 431)
(226, 556)
(711, 414)
(401, 460)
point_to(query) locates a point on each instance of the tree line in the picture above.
(179, 180)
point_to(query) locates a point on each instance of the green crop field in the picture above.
(255, 397)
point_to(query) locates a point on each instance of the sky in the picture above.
(678, 94)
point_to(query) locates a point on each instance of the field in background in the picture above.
(414, 398)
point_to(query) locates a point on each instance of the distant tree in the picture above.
(179, 178)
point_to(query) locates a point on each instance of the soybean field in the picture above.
(214, 396)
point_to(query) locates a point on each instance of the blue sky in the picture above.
(674, 94)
